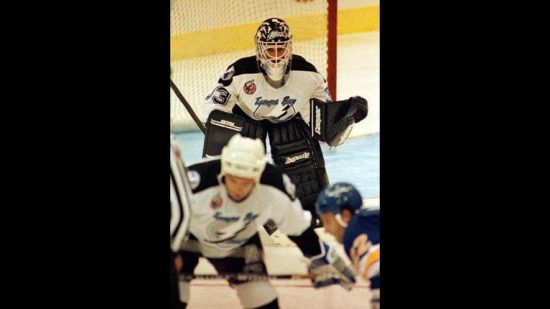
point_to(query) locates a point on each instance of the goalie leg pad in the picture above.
(221, 126)
(300, 157)
(331, 122)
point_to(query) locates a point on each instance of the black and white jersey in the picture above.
(222, 225)
(243, 84)
(180, 198)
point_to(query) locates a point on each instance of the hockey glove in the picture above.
(329, 268)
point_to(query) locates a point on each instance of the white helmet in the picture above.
(243, 157)
(274, 34)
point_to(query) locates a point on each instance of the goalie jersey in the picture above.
(222, 225)
(362, 244)
(245, 86)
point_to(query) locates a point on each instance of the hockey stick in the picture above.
(187, 106)
(244, 277)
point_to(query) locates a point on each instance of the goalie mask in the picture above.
(274, 48)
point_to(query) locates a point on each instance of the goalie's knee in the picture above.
(257, 294)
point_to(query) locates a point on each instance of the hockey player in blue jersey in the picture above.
(341, 210)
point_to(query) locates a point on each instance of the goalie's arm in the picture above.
(222, 97)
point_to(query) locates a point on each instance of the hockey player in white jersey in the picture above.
(281, 95)
(234, 195)
(340, 207)
(180, 206)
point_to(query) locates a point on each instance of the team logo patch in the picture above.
(249, 87)
(216, 201)
(304, 155)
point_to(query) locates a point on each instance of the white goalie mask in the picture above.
(243, 157)
(274, 48)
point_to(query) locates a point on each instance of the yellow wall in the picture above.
(350, 20)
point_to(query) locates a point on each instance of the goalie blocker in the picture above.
(331, 122)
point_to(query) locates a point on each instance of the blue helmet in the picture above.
(338, 196)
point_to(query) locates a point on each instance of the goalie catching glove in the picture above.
(329, 268)
(332, 122)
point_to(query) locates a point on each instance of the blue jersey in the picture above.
(362, 244)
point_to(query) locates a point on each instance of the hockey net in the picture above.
(208, 35)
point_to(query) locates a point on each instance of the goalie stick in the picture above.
(187, 106)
